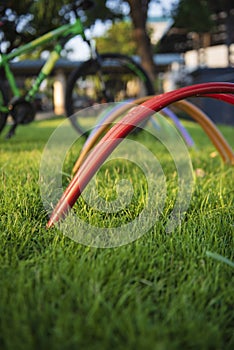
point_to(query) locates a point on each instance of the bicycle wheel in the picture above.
(3, 102)
(110, 78)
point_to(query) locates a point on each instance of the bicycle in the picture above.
(102, 78)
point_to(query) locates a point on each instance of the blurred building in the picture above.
(207, 57)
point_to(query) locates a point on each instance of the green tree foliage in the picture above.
(14, 20)
(194, 15)
(120, 33)
(29, 19)
(220, 5)
(23, 21)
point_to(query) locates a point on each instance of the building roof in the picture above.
(32, 67)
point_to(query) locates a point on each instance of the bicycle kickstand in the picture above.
(11, 132)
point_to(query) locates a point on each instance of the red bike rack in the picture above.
(217, 90)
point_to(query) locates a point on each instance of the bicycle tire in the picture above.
(3, 101)
(117, 71)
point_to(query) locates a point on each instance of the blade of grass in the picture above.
(220, 258)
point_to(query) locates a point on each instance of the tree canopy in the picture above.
(121, 34)
(22, 21)
(194, 15)
(29, 19)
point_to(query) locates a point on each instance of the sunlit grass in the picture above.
(163, 291)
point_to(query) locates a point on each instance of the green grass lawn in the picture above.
(163, 291)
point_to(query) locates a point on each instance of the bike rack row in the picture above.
(103, 140)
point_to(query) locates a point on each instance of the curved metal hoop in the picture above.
(103, 149)
(194, 112)
(210, 129)
(105, 124)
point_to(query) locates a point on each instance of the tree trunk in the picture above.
(139, 9)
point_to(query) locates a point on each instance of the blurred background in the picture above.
(178, 43)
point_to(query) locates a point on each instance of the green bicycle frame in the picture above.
(65, 31)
